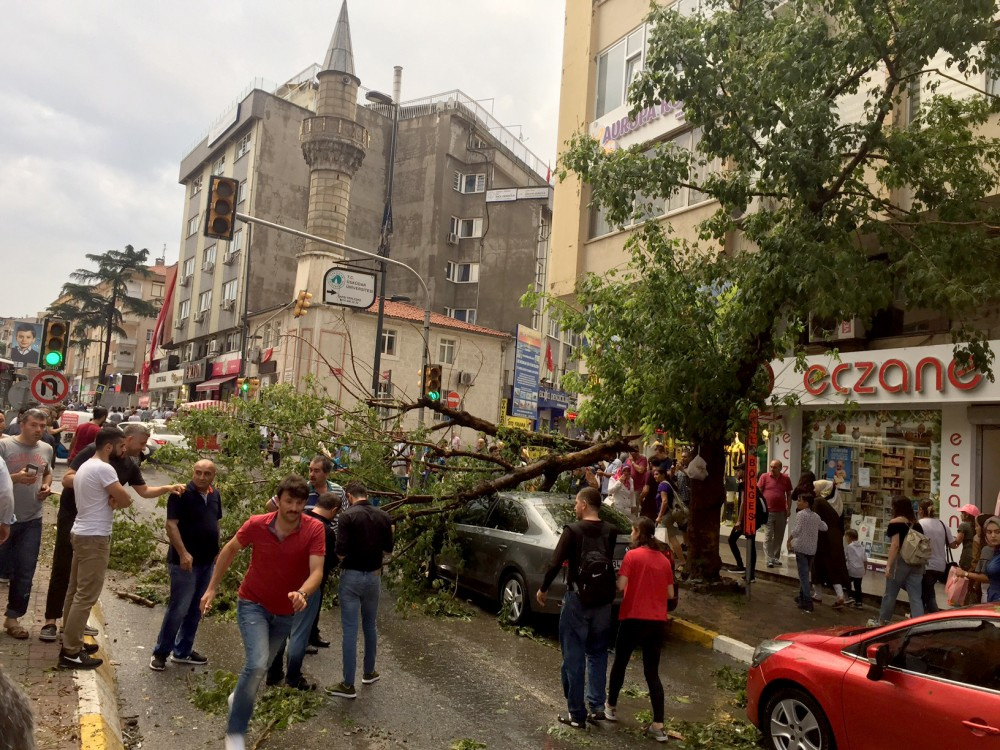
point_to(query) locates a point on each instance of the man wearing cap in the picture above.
(963, 537)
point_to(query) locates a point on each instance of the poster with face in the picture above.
(838, 466)
(25, 344)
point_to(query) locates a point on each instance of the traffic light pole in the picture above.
(341, 246)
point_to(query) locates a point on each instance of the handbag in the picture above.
(916, 548)
(956, 587)
(951, 560)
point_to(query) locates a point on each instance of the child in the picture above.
(855, 554)
(802, 541)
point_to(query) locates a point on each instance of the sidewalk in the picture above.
(73, 711)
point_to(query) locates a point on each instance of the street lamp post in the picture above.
(383, 246)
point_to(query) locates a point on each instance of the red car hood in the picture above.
(820, 635)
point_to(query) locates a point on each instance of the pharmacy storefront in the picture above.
(891, 422)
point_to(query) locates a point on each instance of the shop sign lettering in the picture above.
(955, 459)
(892, 376)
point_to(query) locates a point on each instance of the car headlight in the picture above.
(766, 649)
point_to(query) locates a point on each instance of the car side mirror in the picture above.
(878, 660)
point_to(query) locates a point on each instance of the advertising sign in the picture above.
(25, 344)
(838, 466)
(527, 357)
(349, 287)
(750, 479)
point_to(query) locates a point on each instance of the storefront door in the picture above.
(989, 467)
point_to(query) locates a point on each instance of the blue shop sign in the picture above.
(553, 398)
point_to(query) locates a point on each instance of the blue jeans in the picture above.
(180, 621)
(262, 633)
(18, 558)
(804, 563)
(584, 637)
(906, 577)
(302, 625)
(359, 593)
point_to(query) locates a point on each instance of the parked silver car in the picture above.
(507, 543)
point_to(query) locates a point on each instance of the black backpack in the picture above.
(595, 577)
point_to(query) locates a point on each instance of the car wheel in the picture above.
(514, 598)
(793, 720)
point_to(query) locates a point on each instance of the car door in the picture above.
(504, 535)
(474, 542)
(941, 688)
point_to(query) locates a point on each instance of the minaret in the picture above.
(333, 144)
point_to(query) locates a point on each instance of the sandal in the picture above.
(16, 631)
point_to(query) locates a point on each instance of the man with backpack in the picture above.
(587, 547)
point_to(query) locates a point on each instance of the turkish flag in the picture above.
(548, 357)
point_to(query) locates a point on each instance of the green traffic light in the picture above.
(53, 359)
(245, 387)
(434, 395)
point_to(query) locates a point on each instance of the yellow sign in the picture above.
(522, 423)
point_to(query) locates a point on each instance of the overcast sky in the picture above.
(99, 100)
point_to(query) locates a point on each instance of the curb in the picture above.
(97, 710)
(689, 631)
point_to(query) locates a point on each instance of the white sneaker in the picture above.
(235, 742)
(229, 700)
(610, 713)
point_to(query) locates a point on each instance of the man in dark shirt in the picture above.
(127, 468)
(86, 433)
(584, 632)
(193, 530)
(364, 534)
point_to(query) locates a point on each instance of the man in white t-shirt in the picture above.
(98, 493)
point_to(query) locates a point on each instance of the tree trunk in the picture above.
(106, 358)
(707, 499)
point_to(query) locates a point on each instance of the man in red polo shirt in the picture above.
(286, 566)
(776, 489)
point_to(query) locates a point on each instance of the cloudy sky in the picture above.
(99, 100)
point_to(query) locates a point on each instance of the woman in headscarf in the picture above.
(988, 565)
(830, 563)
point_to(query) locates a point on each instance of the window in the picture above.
(462, 273)
(242, 194)
(188, 267)
(243, 146)
(210, 253)
(220, 165)
(913, 99)
(958, 650)
(446, 351)
(184, 310)
(205, 301)
(233, 342)
(389, 343)
(465, 314)
(475, 511)
(149, 335)
(508, 515)
(617, 67)
(229, 290)
(383, 392)
(193, 223)
(466, 227)
(237, 242)
(157, 291)
(469, 183)
(196, 186)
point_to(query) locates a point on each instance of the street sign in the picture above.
(452, 400)
(49, 387)
(349, 287)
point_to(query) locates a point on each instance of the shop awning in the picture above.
(213, 385)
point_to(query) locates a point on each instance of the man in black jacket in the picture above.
(584, 631)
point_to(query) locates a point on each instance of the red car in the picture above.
(928, 682)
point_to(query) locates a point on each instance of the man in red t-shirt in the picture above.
(86, 433)
(777, 490)
(285, 568)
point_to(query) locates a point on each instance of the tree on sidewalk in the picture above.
(818, 213)
(99, 299)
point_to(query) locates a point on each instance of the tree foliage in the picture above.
(815, 213)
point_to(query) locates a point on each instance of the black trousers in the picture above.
(647, 635)
(734, 536)
(62, 556)
(927, 594)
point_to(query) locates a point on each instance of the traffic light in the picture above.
(254, 387)
(220, 216)
(55, 340)
(242, 385)
(302, 304)
(432, 382)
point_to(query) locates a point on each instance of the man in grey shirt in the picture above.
(29, 461)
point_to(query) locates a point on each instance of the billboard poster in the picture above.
(527, 359)
(838, 466)
(25, 343)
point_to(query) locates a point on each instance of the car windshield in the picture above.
(159, 430)
(561, 513)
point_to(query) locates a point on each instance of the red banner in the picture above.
(750, 479)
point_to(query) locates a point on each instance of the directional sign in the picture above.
(349, 287)
(452, 400)
(49, 387)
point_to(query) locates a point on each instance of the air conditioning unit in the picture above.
(179, 323)
(452, 238)
(230, 257)
(185, 280)
(466, 378)
(823, 330)
(228, 304)
(213, 347)
(199, 316)
(208, 267)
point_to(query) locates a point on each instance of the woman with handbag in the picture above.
(647, 580)
(898, 573)
(670, 512)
